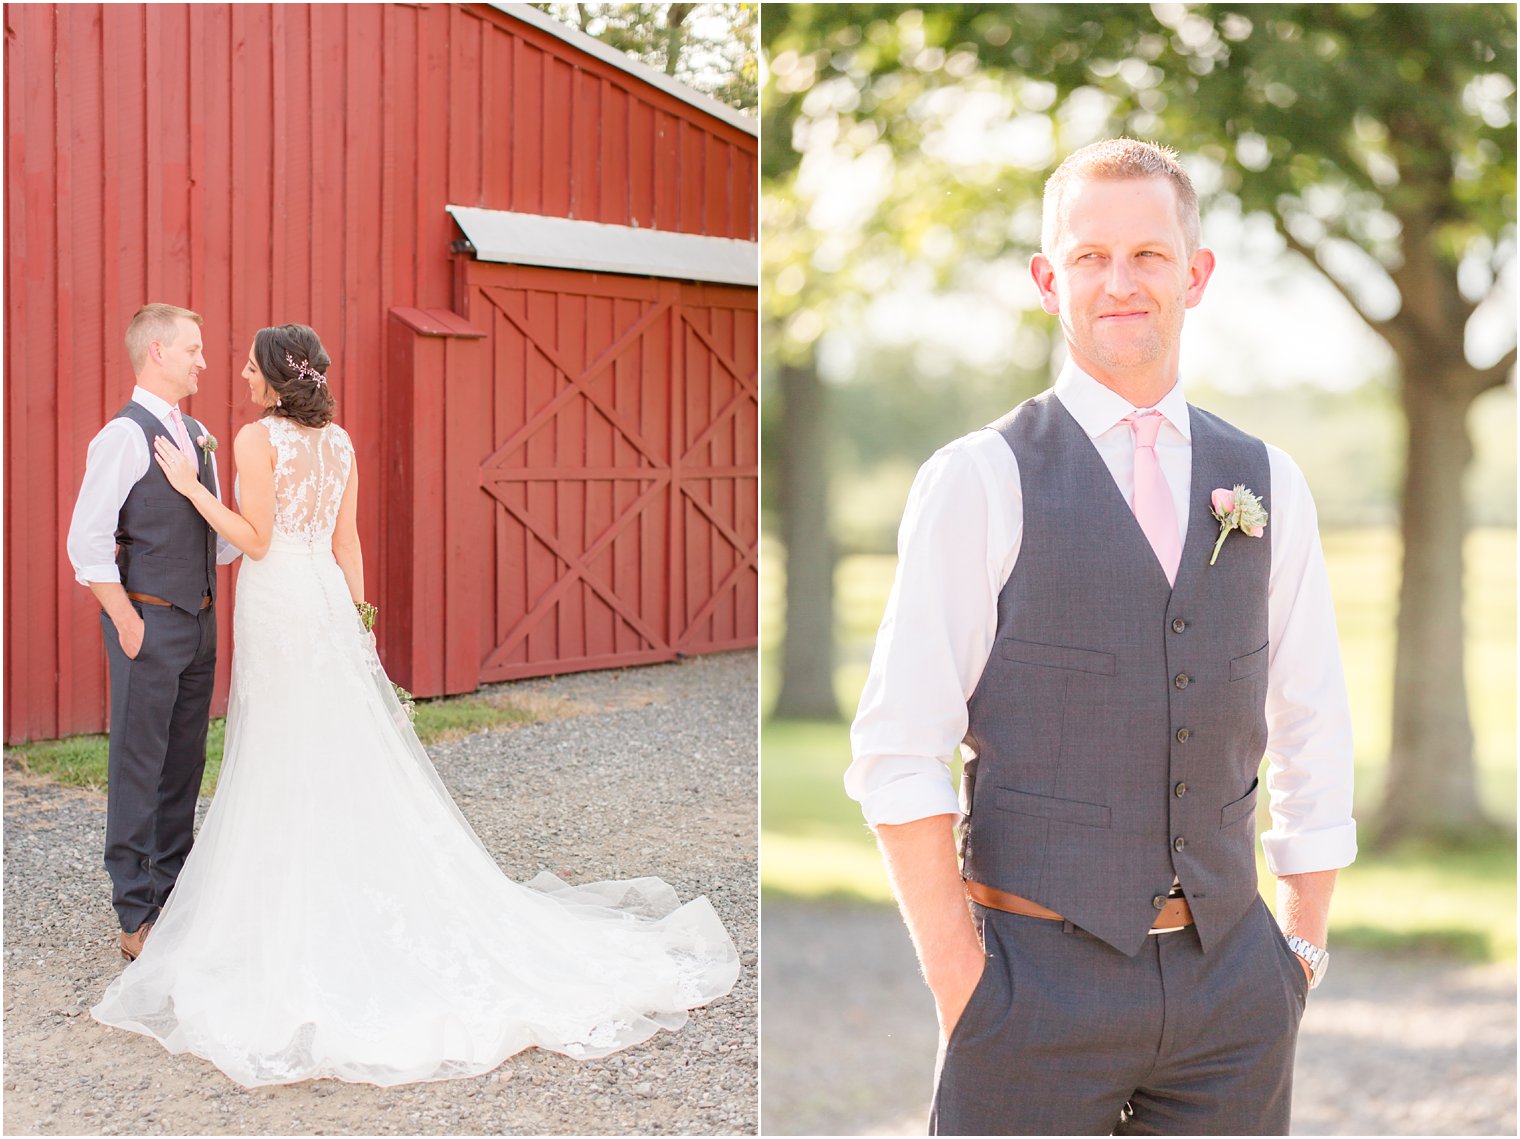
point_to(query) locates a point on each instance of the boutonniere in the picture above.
(206, 442)
(1236, 509)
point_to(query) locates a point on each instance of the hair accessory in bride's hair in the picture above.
(306, 371)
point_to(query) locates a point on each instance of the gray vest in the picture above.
(163, 546)
(1119, 723)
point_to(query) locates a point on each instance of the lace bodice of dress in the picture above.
(311, 468)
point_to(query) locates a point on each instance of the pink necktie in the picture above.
(181, 436)
(1153, 505)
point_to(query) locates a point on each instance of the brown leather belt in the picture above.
(149, 599)
(1174, 914)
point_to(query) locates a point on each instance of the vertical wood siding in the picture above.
(622, 466)
(266, 163)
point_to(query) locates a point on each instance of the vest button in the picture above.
(1183, 680)
(1178, 843)
(1159, 901)
(1180, 790)
(1183, 734)
(1178, 624)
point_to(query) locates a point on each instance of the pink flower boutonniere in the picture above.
(1236, 509)
(207, 443)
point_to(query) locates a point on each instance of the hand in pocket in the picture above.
(954, 986)
(129, 631)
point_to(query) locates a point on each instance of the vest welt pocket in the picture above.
(1241, 808)
(1057, 810)
(152, 559)
(1249, 665)
(1057, 656)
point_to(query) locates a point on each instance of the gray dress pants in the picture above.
(1065, 1035)
(160, 711)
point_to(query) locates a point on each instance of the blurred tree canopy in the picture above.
(1379, 140)
(709, 47)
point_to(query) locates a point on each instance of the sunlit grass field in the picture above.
(815, 845)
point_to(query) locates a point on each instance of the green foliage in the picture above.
(708, 47)
(1333, 92)
(905, 142)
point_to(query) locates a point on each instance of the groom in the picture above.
(150, 560)
(1065, 611)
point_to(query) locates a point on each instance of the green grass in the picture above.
(814, 841)
(464, 715)
(1453, 902)
(1364, 578)
(80, 761)
(1458, 902)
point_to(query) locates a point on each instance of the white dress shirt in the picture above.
(118, 456)
(958, 542)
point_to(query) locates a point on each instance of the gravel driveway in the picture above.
(1388, 1046)
(656, 775)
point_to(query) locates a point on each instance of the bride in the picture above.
(337, 916)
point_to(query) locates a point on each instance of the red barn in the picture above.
(532, 260)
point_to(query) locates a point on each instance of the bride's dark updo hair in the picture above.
(295, 364)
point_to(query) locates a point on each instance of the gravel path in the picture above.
(657, 775)
(1388, 1046)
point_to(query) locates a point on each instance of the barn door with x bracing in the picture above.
(624, 468)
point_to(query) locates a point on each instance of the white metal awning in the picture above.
(565, 243)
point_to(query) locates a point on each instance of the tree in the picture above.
(795, 424)
(1379, 139)
(709, 47)
(807, 651)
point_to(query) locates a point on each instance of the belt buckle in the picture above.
(1176, 893)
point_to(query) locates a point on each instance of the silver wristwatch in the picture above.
(1318, 958)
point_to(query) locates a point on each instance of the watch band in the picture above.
(1317, 957)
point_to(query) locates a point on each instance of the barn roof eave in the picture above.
(593, 46)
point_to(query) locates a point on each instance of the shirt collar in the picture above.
(153, 403)
(1097, 408)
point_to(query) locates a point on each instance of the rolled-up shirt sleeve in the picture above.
(1309, 748)
(115, 460)
(956, 545)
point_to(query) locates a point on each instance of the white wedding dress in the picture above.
(338, 917)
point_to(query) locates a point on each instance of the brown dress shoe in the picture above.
(132, 943)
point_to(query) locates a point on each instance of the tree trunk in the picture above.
(675, 35)
(1431, 789)
(807, 654)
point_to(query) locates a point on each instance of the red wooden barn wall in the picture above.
(263, 163)
(627, 452)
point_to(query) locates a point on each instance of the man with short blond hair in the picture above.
(1115, 604)
(1118, 160)
(155, 322)
(150, 560)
